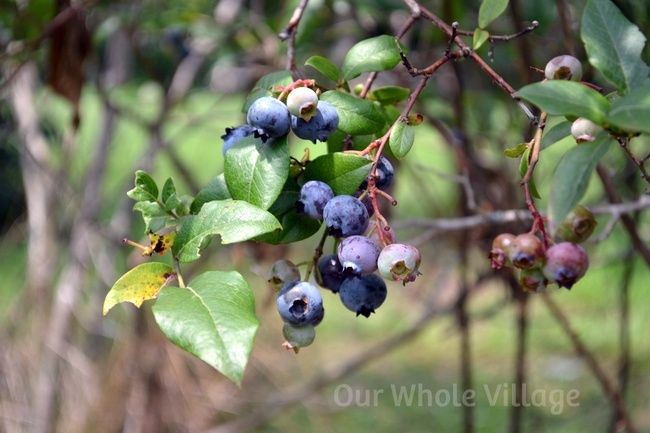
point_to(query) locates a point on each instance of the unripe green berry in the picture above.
(527, 251)
(584, 130)
(532, 280)
(282, 272)
(298, 336)
(564, 68)
(500, 252)
(578, 225)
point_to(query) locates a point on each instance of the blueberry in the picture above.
(363, 295)
(366, 200)
(330, 273)
(384, 175)
(298, 337)
(300, 303)
(399, 262)
(526, 251)
(566, 263)
(302, 103)
(235, 134)
(345, 216)
(314, 195)
(320, 126)
(269, 118)
(283, 272)
(358, 255)
(563, 67)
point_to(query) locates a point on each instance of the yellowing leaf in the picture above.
(159, 243)
(139, 284)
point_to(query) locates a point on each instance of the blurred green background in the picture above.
(66, 368)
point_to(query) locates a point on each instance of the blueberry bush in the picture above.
(360, 108)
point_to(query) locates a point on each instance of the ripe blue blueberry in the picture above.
(302, 103)
(345, 216)
(269, 118)
(235, 134)
(383, 176)
(358, 255)
(314, 195)
(300, 303)
(319, 127)
(330, 273)
(363, 295)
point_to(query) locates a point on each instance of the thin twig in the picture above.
(640, 163)
(623, 420)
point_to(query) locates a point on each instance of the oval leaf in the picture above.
(294, 228)
(138, 285)
(572, 176)
(216, 189)
(234, 220)
(375, 54)
(632, 112)
(563, 98)
(356, 116)
(614, 45)
(343, 172)
(489, 11)
(213, 319)
(265, 85)
(389, 95)
(556, 133)
(325, 67)
(145, 187)
(480, 36)
(255, 172)
(401, 139)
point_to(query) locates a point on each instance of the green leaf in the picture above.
(343, 172)
(556, 133)
(490, 10)
(216, 189)
(516, 151)
(265, 86)
(294, 228)
(213, 319)
(168, 190)
(138, 285)
(234, 220)
(389, 95)
(559, 97)
(523, 168)
(632, 112)
(325, 67)
(480, 37)
(286, 201)
(375, 54)
(572, 175)
(145, 187)
(356, 116)
(336, 140)
(155, 217)
(614, 45)
(255, 172)
(401, 139)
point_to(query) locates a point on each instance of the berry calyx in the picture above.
(399, 262)
(527, 251)
(363, 295)
(358, 255)
(563, 67)
(566, 263)
(300, 303)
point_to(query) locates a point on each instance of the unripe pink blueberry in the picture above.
(399, 262)
(564, 67)
(584, 130)
(302, 102)
(500, 252)
(527, 251)
(566, 263)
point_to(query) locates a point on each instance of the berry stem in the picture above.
(318, 252)
(179, 275)
(640, 163)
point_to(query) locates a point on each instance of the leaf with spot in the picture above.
(139, 284)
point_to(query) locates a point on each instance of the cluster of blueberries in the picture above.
(564, 263)
(351, 271)
(269, 118)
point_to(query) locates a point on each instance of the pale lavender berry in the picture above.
(399, 262)
(584, 130)
(302, 102)
(563, 67)
(565, 264)
(358, 255)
